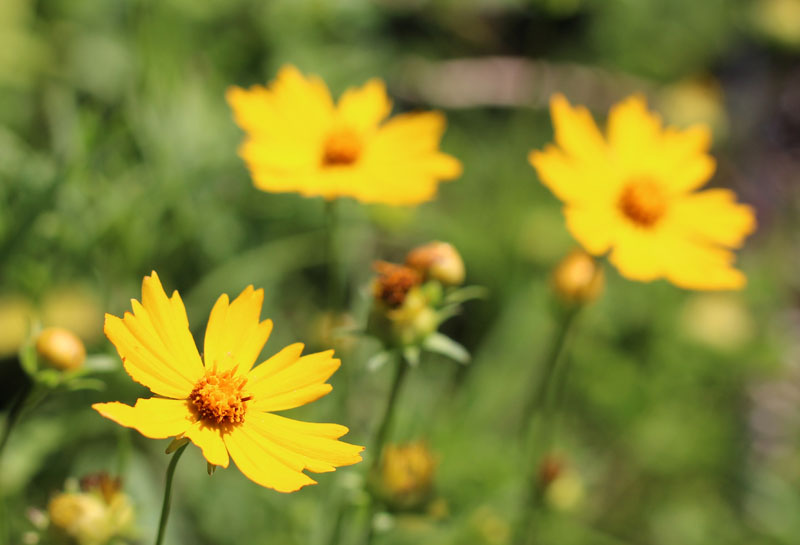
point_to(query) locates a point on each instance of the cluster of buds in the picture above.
(92, 512)
(412, 299)
(404, 479)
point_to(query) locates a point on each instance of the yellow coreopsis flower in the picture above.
(632, 192)
(298, 140)
(221, 402)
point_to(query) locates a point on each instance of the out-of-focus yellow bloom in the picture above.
(632, 193)
(406, 475)
(60, 348)
(298, 140)
(75, 308)
(578, 278)
(438, 261)
(221, 402)
(16, 314)
(94, 515)
(720, 321)
(778, 20)
(492, 528)
(695, 100)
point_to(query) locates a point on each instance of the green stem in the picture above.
(331, 255)
(552, 381)
(13, 416)
(545, 379)
(388, 413)
(162, 525)
(381, 434)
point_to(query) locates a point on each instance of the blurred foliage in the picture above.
(118, 156)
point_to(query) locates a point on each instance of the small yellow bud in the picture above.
(406, 474)
(60, 348)
(578, 278)
(438, 261)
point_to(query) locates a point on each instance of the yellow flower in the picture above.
(632, 192)
(298, 140)
(220, 402)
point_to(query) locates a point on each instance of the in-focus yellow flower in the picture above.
(632, 192)
(298, 140)
(221, 402)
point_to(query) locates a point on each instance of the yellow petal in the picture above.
(234, 335)
(638, 254)
(155, 344)
(155, 417)
(576, 132)
(713, 216)
(634, 133)
(574, 181)
(256, 461)
(363, 108)
(405, 135)
(295, 385)
(308, 445)
(293, 398)
(700, 267)
(209, 439)
(294, 108)
(681, 158)
(280, 361)
(594, 227)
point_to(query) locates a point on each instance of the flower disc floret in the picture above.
(219, 397)
(643, 201)
(342, 147)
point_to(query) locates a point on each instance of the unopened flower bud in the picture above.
(438, 261)
(60, 348)
(406, 475)
(578, 278)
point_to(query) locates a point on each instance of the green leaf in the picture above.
(378, 360)
(466, 294)
(28, 360)
(444, 345)
(101, 363)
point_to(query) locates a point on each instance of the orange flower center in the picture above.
(342, 147)
(643, 201)
(218, 397)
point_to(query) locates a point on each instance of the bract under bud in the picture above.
(438, 261)
(406, 475)
(60, 348)
(578, 278)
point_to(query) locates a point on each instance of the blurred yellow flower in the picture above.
(220, 402)
(631, 192)
(298, 140)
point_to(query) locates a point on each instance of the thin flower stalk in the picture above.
(165, 506)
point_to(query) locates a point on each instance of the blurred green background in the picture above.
(118, 156)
